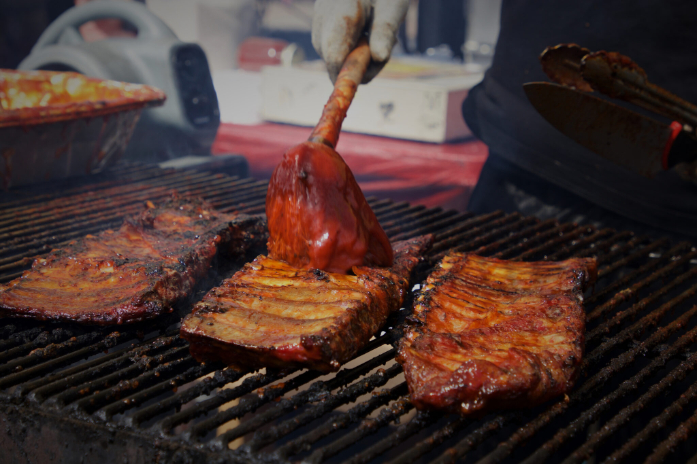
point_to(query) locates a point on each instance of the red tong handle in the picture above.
(676, 128)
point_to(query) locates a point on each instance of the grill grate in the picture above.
(137, 388)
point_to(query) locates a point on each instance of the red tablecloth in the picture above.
(420, 173)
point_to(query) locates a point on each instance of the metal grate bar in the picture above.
(605, 326)
(245, 207)
(586, 451)
(204, 387)
(366, 427)
(524, 233)
(171, 384)
(604, 250)
(42, 247)
(346, 395)
(638, 327)
(117, 205)
(220, 190)
(247, 405)
(253, 192)
(466, 230)
(531, 242)
(259, 209)
(395, 210)
(17, 371)
(475, 438)
(589, 241)
(117, 175)
(651, 428)
(24, 236)
(591, 414)
(555, 242)
(70, 206)
(248, 385)
(90, 187)
(621, 250)
(30, 222)
(119, 369)
(641, 253)
(89, 224)
(379, 205)
(432, 441)
(453, 234)
(595, 382)
(44, 338)
(682, 433)
(271, 393)
(43, 387)
(66, 372)
(475, 228)
(632, 291)
(96, 401)
(492, 234)
(407, 221)
(341, 420)
(18, 338)
(391, 218)
(419, 422)
(92, 224)
(317, 390)
(434, 226)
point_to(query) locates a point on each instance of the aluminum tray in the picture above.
(61, 124)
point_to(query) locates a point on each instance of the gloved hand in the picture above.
(338, 24)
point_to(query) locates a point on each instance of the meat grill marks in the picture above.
(496, 334)
(641, 323)
(271, 314)
(133, 273)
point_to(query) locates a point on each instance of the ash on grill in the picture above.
(71, 393)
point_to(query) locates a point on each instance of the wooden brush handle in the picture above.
(351, 74)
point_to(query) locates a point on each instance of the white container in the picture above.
(409, 100)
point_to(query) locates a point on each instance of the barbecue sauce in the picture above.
(317, 215)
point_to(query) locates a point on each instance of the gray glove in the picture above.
(338, 24)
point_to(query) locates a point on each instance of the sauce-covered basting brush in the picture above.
(317, 215)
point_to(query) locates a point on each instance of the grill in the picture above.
(134, 394)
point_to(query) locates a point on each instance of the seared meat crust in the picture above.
(493, 334)
(133, 273)
(270, 314)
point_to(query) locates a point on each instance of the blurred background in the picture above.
(446, 29)
(406, 137)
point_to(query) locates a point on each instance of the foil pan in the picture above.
(61, 124)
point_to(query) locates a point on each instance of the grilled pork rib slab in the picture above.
(133, 273)
(494, 334)
(270, 314)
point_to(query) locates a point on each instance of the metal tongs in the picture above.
(616, 76)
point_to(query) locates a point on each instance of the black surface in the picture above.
(134, 394)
